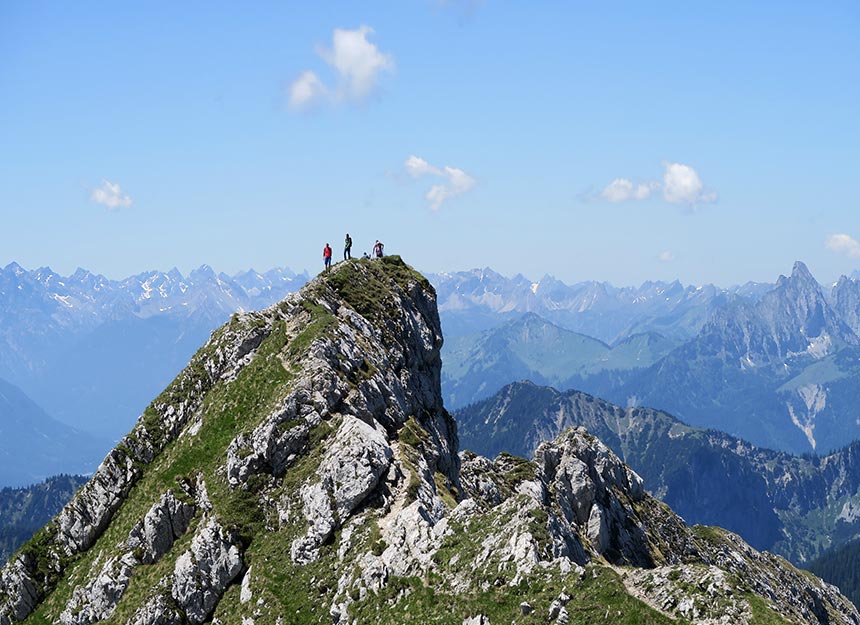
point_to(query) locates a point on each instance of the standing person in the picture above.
(377, 249)
(327, 256)
(347, 247)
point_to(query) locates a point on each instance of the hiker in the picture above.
(377, 249)
(347, 247)
(327, 256)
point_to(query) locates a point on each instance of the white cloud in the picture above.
(682, 185)
(621, 190)
(357, 61)
(666, 256)
(357, 64)
(110, 195)
(306, 91)
(457, 182)
(417, 167)
(843, 244)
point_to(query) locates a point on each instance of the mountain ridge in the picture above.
(752, 350)
(792, 505)
(303, 467)
(778, 365)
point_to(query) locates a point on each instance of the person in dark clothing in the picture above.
(377, 249)
(327, 256)
(347, 247)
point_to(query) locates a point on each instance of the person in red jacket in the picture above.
(327, 256)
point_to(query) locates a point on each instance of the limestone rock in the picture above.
(17, 580)
(166, 521)
(157, 611)
(202, 573)
(357, 458)
(97, 600)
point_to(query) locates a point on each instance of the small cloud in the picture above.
(417, 167)
(306, 91)
(666, 256)
(682, 185)
(110, 195)
(621, 190)
(843, 244)
(457, 182)
(357, 63)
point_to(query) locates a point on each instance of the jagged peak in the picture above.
(801, 271)
(175, 274)
(800, 278)
(203, 272)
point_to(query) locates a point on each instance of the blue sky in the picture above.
(607, 140)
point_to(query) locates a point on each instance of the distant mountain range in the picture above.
(782, 371)
(773, 363)
(778, 365)
(791, 505)
(34, 446)
(93, 351)
(480, 299)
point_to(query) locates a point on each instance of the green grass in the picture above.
(711, 534)
(366, 285)
(515, 469)
(599, 599)
(447, 493)
(320, 321)
(762, 614)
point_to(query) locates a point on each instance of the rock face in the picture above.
(795, 506)
(202, 573)
(163, 524)
(303, 469)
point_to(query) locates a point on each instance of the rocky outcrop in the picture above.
(166, 521)
(97, 600)
(795, 506)
(314, 476)
(150, 539)
(157, 611)
(358, 457)
(595, 494)
(203, 572)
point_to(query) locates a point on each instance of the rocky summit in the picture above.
(302, 469)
